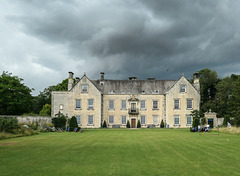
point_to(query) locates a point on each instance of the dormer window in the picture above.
(84, 88)
(182, 88)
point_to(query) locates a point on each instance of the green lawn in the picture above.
(122, 152)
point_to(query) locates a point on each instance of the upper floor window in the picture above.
(182, 88)
(189, 120)
(90, 103)
(155, 104)
(176, 104)
(61, 107)
(143, 104)
(143, 120)
(111, 119)
(78, 104)
(189, 104)
(123, 119)
(84, 88)
(78, 120)
(176, 120)
(124, 105)
(111, 105)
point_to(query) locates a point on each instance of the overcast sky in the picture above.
(42, 40)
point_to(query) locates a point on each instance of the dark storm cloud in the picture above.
(154, 38)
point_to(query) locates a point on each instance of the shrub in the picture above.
(73, 123)
(59, 121)
(104, 124)
(162, 124)
(128, 124)
(138, 124)
(46, 110)
(195, 122)
(8, 124)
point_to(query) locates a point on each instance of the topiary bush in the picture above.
(73, 123)
(104, 124)
(59, 121)
(162, 124)
(138, 124)
(128, 124)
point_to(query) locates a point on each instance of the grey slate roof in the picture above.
(133, 86)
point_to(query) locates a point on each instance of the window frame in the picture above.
(91, 107)
(191, 103)
(175, 107)
(91, 124)
(143, 117)
(155, 108)
(125, 120)
(187, 116)
(143, 108)
(61, 107)
(80, 104)
(181, 86)
(109, 105)
(78, 120)
(112, 120)
(176, 117)
(84, 90)
(157, 117)
(123, 108)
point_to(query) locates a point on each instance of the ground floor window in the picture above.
(90, 120)
(111, 119)
(78, 120)
(123, 119)
(143, 120)
(176, 120)
(189, 120)
(155, 120)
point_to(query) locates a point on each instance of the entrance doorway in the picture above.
(133, 123)
(210, 123)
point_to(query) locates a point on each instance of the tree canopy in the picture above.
(15, 97)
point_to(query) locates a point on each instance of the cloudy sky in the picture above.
(41, 40)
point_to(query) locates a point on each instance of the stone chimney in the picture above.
(196, 82)
(132, 78)
(77, 79)
(102, 75)
(70, 80)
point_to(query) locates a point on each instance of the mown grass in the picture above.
(122, 152)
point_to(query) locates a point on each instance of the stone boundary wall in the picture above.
(30, 119)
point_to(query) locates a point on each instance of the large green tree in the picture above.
(15, 97)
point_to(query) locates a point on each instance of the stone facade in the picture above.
(118, 101)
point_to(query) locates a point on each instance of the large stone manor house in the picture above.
(118, 101)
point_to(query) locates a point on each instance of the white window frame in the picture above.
(175, 103)
(61, 107)
(155, 119)
(79, 104)
(141, 107)
(90, 124)
(143, 117)
(109, 105)
(84, 88)
(182, 88)
(111, 120)
(124, 108)
(176, 117)
(191, 103)
(155, 108)
(125, 120)
(78, 117)
(189, 116)
(90, 106)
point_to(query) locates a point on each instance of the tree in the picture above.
(197, 118)
(208, 80)
(104, 124)
(15, 97)
(162, 124)
(59, 121)
(73, 123)
(128, 124)
(46, 110)
(138, 124)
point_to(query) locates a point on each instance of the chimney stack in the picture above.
(70, 80)
(102, 75)
(196, 82)
(77, 79)
(133, 78)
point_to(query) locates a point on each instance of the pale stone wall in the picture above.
(174, 93)
(60, 98)
(30, 119)
(118, 112)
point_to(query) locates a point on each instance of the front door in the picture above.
(133, 123)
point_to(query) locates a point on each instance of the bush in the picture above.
(104, 124)
(195, 122)
(73, 123)
(8, 124)
(128, 124)
(162, 124)
(138, 124)
(59, 121)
